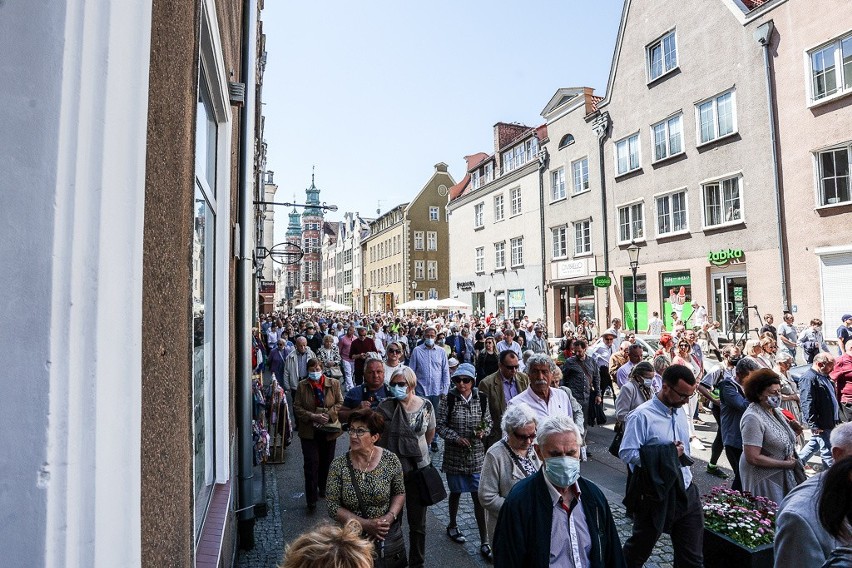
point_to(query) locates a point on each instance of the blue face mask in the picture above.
(562, 471)
(315, 375)
(429, 342)
(399, 393)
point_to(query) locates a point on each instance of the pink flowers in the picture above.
(740, 516)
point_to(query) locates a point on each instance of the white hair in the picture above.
(557, 425)
(538, 359)
(841, 436)
(783, 357)
(517, 416)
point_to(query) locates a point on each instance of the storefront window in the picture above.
(477, 303)
(517, 303)
(676, 298)
(577, 302)
(641, 303)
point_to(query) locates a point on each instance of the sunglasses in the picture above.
(512, 367)
(394, 351)
(403, 385)
(462, 380)
(531, 437)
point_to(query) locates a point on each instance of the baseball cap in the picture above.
(845, 317)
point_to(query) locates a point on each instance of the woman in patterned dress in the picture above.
(366, 485)
(769, 458)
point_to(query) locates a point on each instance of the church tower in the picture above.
(292, 285)
(311, 244)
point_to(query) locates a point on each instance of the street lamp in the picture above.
(633, 253)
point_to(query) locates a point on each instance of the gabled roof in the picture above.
(561, 97)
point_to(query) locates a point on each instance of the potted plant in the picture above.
(739, 529)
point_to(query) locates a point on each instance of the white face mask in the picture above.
(648, 382)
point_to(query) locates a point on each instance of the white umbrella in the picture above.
(411, 305)
(432, 304)
(335, 307)
(452, 303)
(309, 305)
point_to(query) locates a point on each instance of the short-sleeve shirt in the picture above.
(377, 487)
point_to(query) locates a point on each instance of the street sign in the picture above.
(602, 281)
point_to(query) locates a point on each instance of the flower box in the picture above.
(723, 552)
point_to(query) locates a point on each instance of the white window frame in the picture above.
(479, 259)
(420, 295)
(434, 213)
(630, 142)
(668, 198)
(500, 255)
(418, 240)
(584, 225)
(631, 208)
(479, 215)
(842, 76)
(431, 240)
(499, 208)
(516, 250)
(431, 270)
(419, 270)
(666, 66)
(666, 125)
(559, 242)
(515, 203)
(714, 102)
(819, 179)
(580, 183)
(557, 184)
(720, 182)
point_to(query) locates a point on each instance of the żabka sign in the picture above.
(723, 257)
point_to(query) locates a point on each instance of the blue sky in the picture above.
(376, 93)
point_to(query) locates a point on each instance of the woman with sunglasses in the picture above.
(487, 362)
(393, 360)
(506, 463)
(463, 421)
(409, 431)
(366, 485)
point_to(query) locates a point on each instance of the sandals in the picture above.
(485, 550)
(455, 534)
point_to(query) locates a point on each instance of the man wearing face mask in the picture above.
(661, 495)
(555, 517)
(432, 369)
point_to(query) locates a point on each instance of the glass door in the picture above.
(730, 302)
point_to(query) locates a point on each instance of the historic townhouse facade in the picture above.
(328, 265)
(384, 253)
(687, 165)
(809, 54)
(574, 239)
(311, 244)
(495, 216)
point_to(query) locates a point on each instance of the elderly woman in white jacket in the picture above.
(507, 462)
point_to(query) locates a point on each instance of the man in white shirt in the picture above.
(544, 400)
(655, 324)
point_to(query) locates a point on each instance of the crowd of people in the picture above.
(513, 408)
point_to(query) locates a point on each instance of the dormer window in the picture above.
(567, 140)
(481, 176)
(516, 157)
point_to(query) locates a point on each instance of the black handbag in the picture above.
(428, 484)
(596, 415)
(615, 445)
(390, 552)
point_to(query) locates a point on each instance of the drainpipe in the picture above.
(601, 128)
(543, 162)
(243, 286)
(763, 35)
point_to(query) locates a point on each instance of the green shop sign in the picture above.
(723, 257)
(602, 281)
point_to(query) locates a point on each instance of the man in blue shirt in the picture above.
(369, 393)
(662, 421)
(430, 365)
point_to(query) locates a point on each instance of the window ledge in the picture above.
(829, 206)
(672, 156)
(479, 272)
(829, 99)
(629, 172)
(209, 547)
(675, 233)
(516, 215)
(500, 269)
(662, 76)
(627, 243)
(517, 267)
(717, 139)
(723, 225)
(499, 220)
(558, 200)
(479, 228)
(584, 191)
(583, 254)
(563, 257)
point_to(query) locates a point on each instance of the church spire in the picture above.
(312, 197)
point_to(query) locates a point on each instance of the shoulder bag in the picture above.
(428, 484)
(615, 445)
(388, 553)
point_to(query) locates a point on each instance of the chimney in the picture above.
(269, 175)
(441, 167)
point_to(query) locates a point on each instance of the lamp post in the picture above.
(633, 253)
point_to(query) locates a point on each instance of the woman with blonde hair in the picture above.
(330, 546)
(753, 350)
